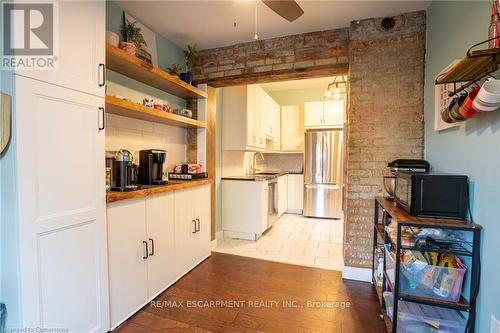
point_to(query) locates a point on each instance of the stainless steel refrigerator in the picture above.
(323, 174)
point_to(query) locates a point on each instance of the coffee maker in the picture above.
(123, 172)
(151, 166)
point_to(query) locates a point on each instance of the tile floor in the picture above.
(296, 240)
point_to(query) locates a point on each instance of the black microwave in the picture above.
(432, 194)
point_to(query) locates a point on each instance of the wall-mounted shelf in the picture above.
(121, 62)
(133, 110)
(471, 68)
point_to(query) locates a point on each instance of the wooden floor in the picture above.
(260, 289)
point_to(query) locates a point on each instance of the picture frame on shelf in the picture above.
(147, 52)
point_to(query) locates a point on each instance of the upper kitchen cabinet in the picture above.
(292, 128)
(80, 48)
(324, 114)
(241, 123)
(277, 126)
(250, 118)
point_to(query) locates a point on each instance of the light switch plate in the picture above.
(494, 325)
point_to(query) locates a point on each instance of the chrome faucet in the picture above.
(254, 164)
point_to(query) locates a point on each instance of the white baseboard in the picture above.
(357, 273)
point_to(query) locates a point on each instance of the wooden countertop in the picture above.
(400, 215)
(171, 186)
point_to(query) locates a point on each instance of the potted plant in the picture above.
(132, 38)
(192, 54)
(176, 69)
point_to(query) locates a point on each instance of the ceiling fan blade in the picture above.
(288, 9)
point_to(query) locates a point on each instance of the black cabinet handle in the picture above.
(102, 75)
(152, 253)
(195, 231)
(146, 251)
(198, 225)
(102, 120)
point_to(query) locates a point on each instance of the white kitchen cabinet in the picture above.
(128, 273)
(276, 110)
(324, 114)
(61, 208)
(249, 117)
(292, 128)
(295, 193)
(313, 114)
(192, 227)
(81, 27)
(282, 194)
(239, 120)
(161, 242)
(152, 242)
(245, 208)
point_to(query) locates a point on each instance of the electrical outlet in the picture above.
(494, 325)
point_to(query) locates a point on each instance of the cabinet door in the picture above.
(203, 214)
(61, 195)
(259, 118)
(277, 127)
(282, 194)
(334, 113)
(127, 253)
(161, 238)
(295, 193)
(81, 31)
(185, 229)
(292, 128)
(313, 114)
(252, 106)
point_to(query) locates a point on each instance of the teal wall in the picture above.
(474, 148)
(168, 53)
(9, 249)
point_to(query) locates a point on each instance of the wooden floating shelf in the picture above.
(121, 62)
(472, 68)
(133, 110)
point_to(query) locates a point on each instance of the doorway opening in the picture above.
(280, 164)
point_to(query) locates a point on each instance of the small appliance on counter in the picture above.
(151, 166)
(432, 194)
(408, 165)
(123, 171)
(186, 171)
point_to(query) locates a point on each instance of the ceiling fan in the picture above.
(288, 9)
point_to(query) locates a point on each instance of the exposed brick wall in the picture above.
(324, 52)
(385, 112)
(385, 118)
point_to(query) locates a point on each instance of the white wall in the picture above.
(135, 135)
(281, 162)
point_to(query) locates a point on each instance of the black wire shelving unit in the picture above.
(386, 212)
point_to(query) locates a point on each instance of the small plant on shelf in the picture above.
(176, 69)
(132, 38)
(192, 55)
